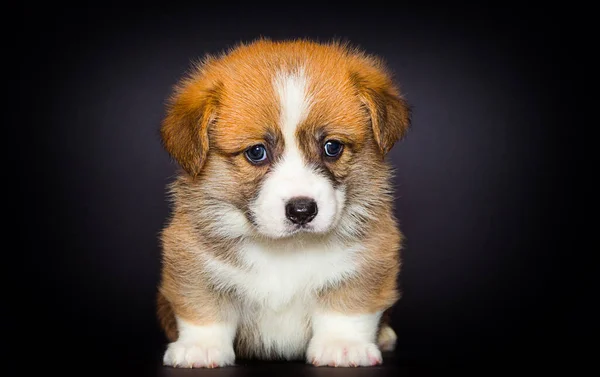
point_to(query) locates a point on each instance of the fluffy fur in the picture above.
(239, 279)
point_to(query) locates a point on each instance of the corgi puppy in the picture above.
(282, 243)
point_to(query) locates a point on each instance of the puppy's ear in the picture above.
(389, 112)
(190, 111)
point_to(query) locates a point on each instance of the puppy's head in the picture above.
(282, 138)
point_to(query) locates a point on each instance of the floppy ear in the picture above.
(184, 131)
(390, 113)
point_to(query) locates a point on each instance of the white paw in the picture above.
(193, 355)
(343, 353)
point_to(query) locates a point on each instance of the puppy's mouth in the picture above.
(300, 228)
(291, 231)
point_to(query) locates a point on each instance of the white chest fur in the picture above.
(275, 289)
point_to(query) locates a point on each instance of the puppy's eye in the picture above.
(256, 154)
(333, 148)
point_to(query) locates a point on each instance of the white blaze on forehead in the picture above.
(294, 100)
(291, 176)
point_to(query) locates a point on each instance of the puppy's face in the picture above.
(286, 138)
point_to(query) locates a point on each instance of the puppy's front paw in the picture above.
(192, 355)
(343, 353)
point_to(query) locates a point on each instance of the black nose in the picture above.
(301, 210)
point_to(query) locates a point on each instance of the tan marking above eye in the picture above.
(344, 139)
(234, 147)
(348, 134)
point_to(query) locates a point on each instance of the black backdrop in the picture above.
(481, 177)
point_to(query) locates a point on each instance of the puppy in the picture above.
(282, 242)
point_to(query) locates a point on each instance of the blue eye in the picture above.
(333, 148)
(256, 154)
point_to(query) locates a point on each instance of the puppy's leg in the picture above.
(344, 340)
(200, 323)
(201, 337)
(348, 321)
(206, 345)
(386, 338)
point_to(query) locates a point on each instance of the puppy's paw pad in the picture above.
(343, 353)
(191, 355)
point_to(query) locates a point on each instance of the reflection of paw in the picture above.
(343, 353)
(387, 338)
(192, 355)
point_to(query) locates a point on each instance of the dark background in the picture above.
(482, 177)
